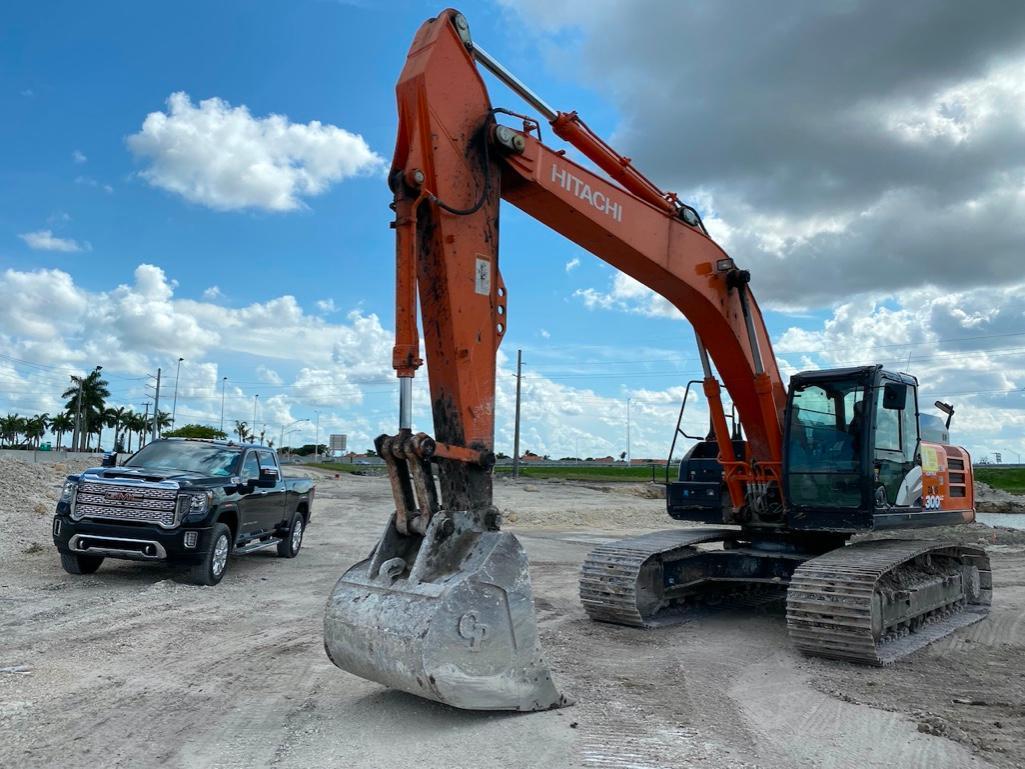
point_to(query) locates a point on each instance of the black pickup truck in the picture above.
(183, 501)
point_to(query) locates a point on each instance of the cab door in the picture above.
(250, 504)
(272, 498)
(896, 444)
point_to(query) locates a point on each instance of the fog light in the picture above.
(191, 538)
(56, 527)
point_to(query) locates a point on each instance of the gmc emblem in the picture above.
(122, 496)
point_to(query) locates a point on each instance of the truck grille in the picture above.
(127, 502)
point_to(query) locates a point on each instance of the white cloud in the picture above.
(572, 264)
(327, 305)
(45, 240)
(545, 334)
(225, 158)
(213, 293)
(88, 181)
(628, 295)
(79, 157)
(269, 375)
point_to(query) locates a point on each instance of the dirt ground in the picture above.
(134, 667)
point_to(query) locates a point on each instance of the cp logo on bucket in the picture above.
(473, 630)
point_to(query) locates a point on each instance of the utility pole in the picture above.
(516, 430)
(316, 440)
(174, 405)
(156, 409)
(224, 382)
(256, 400)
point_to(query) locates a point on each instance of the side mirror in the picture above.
(110, 459)
(895, 395)
(268, 477)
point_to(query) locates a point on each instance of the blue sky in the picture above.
(77, 80)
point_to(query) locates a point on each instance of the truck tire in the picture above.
(74, 563)
(215, 560)
(290, 544)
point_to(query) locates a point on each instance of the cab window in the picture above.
(267, 461)
(887, 425)
(251, 468)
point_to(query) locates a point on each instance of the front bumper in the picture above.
(132, 543)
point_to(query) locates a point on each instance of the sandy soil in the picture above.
(133, 667)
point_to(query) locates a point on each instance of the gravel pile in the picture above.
(28, 494)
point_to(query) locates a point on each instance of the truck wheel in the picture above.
(80, 564)
(215, 560)
(289, 546)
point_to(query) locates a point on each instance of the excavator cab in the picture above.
(852, 457)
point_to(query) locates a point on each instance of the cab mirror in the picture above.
(268, 477)
(110, 459)
(895, 395)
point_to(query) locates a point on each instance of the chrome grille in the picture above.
(127, 502)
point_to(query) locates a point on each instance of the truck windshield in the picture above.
(186, 456)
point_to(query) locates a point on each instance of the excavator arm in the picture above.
(452, 162)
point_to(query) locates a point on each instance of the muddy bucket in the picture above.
(449, 617)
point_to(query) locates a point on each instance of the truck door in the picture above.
(250, 503)
(272, 504)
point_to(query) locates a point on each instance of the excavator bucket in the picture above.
(448, 616)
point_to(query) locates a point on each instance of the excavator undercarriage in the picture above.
(871, 602)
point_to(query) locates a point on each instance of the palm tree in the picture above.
(163, 421)
(60, 424)
(35, 428)
(242, 431)
(128, 423)
(13, 426)
(94, 392)
(139, 425)
(8, 431)
(116, 418)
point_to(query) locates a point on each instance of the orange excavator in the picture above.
(443, 606)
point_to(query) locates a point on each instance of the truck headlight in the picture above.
(193, 503)
(68, 491)
(69, 494)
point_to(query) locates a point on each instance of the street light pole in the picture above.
(174, 404)
(224, 381)
(256, 400)
(316, 440)
(281, 439)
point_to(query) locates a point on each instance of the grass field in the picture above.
(605, 474)
(1010, 479)
(596, 473)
